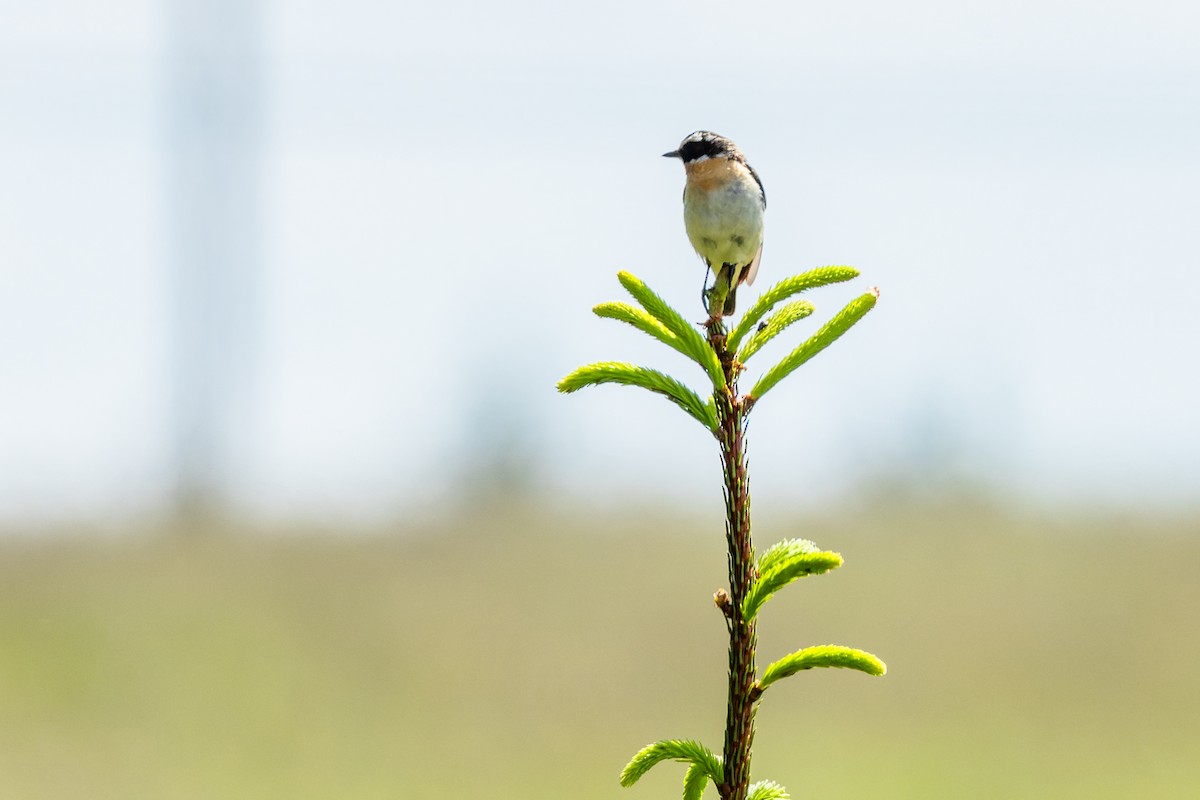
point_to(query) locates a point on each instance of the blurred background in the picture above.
(289, 506)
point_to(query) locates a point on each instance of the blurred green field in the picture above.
(507, 655)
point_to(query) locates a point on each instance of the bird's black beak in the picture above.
(672, 154)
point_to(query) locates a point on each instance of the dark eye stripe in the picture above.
(705, 147)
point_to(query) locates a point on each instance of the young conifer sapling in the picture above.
(753, 577)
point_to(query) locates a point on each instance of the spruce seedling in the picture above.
(722, 355)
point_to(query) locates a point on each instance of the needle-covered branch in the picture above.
(650, 379)
(767, 790)
(828, 334)
(685, 750)
(641, 320)
(782, 564)
(648, 324)
(822, 276)
(775, 325)
(826, 655)
(691, 343)
(695, 782)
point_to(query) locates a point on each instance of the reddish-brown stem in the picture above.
(731, 431)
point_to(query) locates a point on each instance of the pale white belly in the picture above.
(725, 226)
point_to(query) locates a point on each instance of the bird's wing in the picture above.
(752, 270)
(762, 193)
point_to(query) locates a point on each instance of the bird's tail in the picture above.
(729, 278)
(730, 302)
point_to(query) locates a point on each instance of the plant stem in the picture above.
(731, 431)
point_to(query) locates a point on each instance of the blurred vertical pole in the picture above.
(213, 108)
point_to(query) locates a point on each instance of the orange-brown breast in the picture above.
(710, 173)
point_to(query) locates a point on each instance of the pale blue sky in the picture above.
(1021, 181)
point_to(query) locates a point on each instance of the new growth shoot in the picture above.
(722, 354)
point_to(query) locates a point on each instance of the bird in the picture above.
(723, 206)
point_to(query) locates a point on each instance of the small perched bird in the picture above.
(723, 205)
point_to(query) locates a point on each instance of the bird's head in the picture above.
(703, 145)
